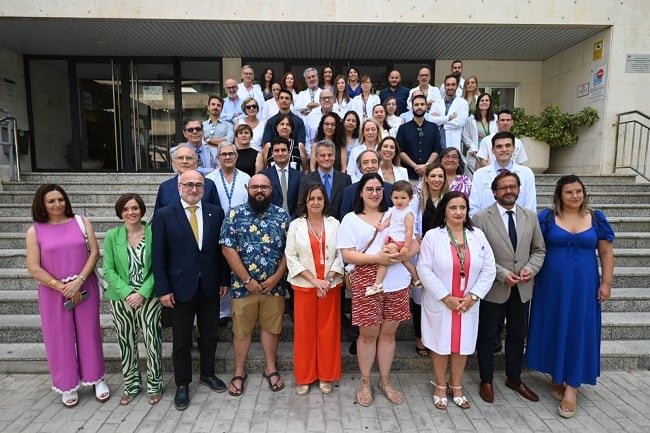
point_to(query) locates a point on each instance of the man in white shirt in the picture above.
(431, 93)
(307, 100)
(504, 123)
(326, 99)
(450, 114)
(456, 70)
(232, 104)
(503, 145)
(246, 89)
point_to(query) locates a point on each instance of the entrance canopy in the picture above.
(288, 40)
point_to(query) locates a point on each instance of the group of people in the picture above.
(459, 253)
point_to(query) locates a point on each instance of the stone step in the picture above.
(71, 187)
(26, 328)
(76, 198)
(596, 199)
(16, 240)
(88, 209)
(96, 178)
(30, 358)
(598, 188)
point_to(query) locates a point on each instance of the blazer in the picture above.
(168, 193)
(530, 253)
(116, 264)
(300, 257)
(293, 187)
(178, 264)
(349, 193)
(340, 181)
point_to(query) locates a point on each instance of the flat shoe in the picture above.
(393, 395)
(364, 393)
(102, 392)
(126, 399)
(421, 351)
(153, 399)
(325, 387)
(239, 390)
(70, 399)
(302, 389)
(277, 386)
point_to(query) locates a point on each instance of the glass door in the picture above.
(153, 126)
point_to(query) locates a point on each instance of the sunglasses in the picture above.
(251, 107)
(193, 130)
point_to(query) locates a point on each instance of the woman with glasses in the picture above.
(364, 102)
(452, 162)
(362, 244)
(251, 108)
(330, 128)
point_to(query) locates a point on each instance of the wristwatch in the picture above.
(474, 297)
(248, 281)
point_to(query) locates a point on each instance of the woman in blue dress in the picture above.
(565, 320)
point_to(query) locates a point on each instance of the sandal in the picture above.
(461, 401)
(374, 289)
(325, 387)
(566, 409)
(557, 390)
(70, 399)
(126, 399)
(277, 386)
(439, 402)
(153, 399)
(102, 391)
(417, 284)
(239, 390)
(421, 351)
(393, 395)
(365, 391)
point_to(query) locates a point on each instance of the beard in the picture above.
(259, 206)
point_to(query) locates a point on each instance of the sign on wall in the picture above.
(637, 63)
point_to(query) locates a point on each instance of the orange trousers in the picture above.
(316, 335)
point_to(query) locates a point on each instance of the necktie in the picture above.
(328, 185)
(198, 155)
(501, 171)
(194, 223)
(283, 185)
(512, 230)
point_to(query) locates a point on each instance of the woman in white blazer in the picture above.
(315, 273)
(389, 166)
(456, 267)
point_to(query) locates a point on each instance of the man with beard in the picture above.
(190, 273)
(450, 114)
(516, 239)
(396, 90)
(253, 238)
(216, 130)
(285, 180)
(457, 71)
(419, 140)
(232, 104)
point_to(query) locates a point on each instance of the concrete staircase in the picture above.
(626, 317)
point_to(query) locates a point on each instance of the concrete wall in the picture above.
(13, 98)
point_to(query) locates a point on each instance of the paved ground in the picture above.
(619, 403)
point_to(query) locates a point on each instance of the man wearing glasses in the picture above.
(253, 238)
(190, 274)
(246, 89)
(206, 156)
(419, 140)
(184, 159)
(232, 110)
(326, 99)
(216, 130)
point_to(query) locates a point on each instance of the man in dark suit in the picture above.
(333, 180)
(184, 159)
(516, 239)
(368, 162)
(190, 274)
(287, 197)
(299, 134)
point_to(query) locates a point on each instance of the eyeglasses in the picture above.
(230, 87)
(193, 130)
(259, 187)
(376, 190)
(450, 156)
(251, 107)
(228, 154)
(185, 158)
(508, 187)
(192, 185)
(326, 98)
(247, 73)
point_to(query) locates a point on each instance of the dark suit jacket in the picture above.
(347, 205)
(530, 253)
(168, 193)
(178, 264)
(293, 187)
(339, 182)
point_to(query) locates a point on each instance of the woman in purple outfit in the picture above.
(68, 294)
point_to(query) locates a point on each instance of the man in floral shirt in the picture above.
(253, 238)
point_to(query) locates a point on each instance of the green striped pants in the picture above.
(127, 321)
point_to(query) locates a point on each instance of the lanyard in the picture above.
(460, 252)
(232, 186)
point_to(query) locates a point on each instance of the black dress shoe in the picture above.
(353, 347)
(182, 397)
(486, 391)
(214, 382)
(223, 321)
(522, 389)
(498, 346)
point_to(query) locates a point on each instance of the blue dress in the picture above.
(565, 318)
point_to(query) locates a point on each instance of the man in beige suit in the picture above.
(516, 239)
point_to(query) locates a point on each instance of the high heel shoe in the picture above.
(439, 402)
(461, 401)
(102, 391)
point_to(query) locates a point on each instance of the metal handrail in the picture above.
(14, 158)
(633, 142)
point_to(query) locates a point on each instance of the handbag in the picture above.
(347, 275)
(102, 282)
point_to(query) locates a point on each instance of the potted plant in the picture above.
(551, 126)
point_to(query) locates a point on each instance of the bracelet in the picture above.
(82, 278)
(248, 281)
(52, 283)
